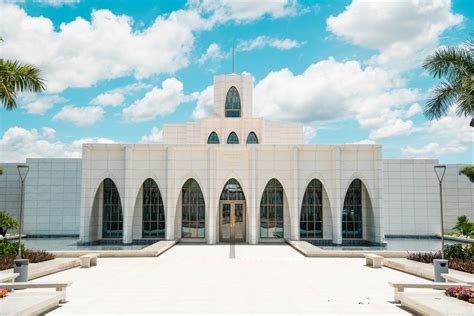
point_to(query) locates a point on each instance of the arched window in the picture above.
(213, 138)
(232, 139)
(232, 103)
(232, 191)
(252, 138)
(271, 211)
(112, 219)
(153, 211)
(193, 211)
(311, 219)
(352, 211)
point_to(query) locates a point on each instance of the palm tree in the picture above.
(16, 77)
(456, 66)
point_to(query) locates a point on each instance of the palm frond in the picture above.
(16, 77)
(442, 98)
(450, 62)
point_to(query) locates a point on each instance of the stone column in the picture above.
(127, 199)
(294, 209)
(337, 202)
(253, 199)
(171, 198)
(211, 216)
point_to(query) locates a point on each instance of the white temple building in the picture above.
(233, 177)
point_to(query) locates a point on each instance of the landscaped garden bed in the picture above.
(460, 257)
(9, 249)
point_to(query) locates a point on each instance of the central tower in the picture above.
(233, 96)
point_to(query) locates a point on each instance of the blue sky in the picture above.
(118, 70)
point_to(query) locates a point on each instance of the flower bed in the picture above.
(460, 293)
(6, 261)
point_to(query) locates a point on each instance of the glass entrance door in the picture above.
(232, 223)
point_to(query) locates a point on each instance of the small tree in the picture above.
(464, 226)
(7, 222)
(468, 172)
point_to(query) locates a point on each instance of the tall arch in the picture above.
(112, 215)
(352, 211)
(232, 212)
(153, 211)
(232, 138)
(272, 210)
(311, 216)
(232, 103)
(252, 138)
(213, 138)
(193, 210)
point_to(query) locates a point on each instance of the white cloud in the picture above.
(80, 116)
(243, 10)
(431, 150)
(330, 90)
(18, 143)
(264, 41)
(205, 103)
(399, 30)
(157, 102)
(80, 52)
(450, 134)
(309, 133)
(35, 104)
(365, 142)
(155, 137)
(131, 88)
(57, 3)
(48, 132)
(108, 99)
(213, 52)
(414, 109)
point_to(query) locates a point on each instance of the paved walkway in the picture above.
(204, 279)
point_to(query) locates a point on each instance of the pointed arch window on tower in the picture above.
(232, 103)
(252, 138)
(213, 138)
(233, 138)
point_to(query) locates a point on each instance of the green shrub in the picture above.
(468, 171)
(7, 222)
(8, 248)
(464, 226)
(458, 251)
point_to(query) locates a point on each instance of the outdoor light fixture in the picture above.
(440, 170)
(23, 172)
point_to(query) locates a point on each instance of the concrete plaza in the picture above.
(221, 279)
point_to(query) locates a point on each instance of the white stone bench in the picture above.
(434, 303)
(8, 277)
(400, 287)
(89, 260)
(59, 286)
(373, 260)
(450, 277)
(30, 303)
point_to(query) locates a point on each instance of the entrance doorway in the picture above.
(232, 222)
(232, 213)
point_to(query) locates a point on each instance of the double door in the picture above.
(232, 221)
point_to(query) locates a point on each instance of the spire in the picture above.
(233, 58)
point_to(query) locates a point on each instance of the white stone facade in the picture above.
(253, 166)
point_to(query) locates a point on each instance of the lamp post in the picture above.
(23, 172)
(440, 170)
(20, 265)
